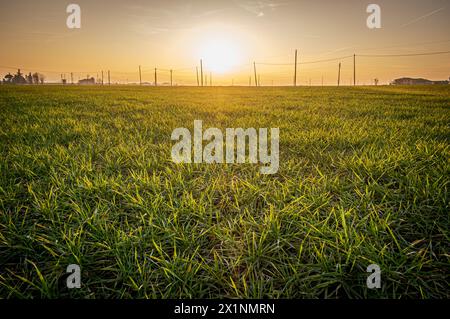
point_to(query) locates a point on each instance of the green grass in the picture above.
(86, 177)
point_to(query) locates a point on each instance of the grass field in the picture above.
(86, 177)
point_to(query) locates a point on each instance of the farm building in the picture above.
(419, 81)
(87, 81)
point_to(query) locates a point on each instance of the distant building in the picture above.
(87, 81)
(419, 81)
(441, 82)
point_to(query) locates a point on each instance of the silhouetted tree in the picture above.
(8, 78)
(35, 78)
(29, 78)
(18, 78)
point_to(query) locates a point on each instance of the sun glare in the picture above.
(219, 55)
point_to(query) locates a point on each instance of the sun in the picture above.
(220, 55)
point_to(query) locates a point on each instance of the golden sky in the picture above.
(229, 36)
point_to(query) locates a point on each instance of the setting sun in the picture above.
(220, 55)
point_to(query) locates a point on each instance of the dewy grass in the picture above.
(86, 178)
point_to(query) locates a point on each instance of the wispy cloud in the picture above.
(258, 8)
(157, 20)
(207, 13)
(422, 17)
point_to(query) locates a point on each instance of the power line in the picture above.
(328, 60)
(308, 62)
(360, 55)
(403, 55)
(262, 63)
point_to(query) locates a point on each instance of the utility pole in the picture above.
(198, 83)
(201, 70)
(109, 78)
(140, 76)
(354, 69)
(339, 74)
(156, 79)
(102, 77)
(295, 69)
(171, 73)
(256, 79)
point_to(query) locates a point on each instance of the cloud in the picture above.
(208, 13)
(258, 8)
(165, 18)
(422, 17)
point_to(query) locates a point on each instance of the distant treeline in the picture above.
(19, 78)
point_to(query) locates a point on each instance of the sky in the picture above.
(229, 36)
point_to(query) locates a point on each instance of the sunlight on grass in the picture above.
(86, 177)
